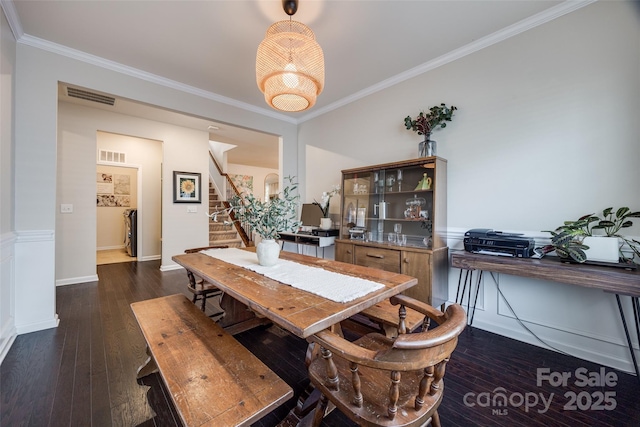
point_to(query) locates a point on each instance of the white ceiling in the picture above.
(211, 45)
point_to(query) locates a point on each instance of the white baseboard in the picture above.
(170, 267)
(150, 258)
(76, 280)
(604, 358)
(38, 326)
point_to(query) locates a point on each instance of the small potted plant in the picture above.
(566, 240)
(576, 239)
(268, 218)
(325, 221)
(427, 122)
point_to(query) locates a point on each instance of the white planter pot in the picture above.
(268, 251)
(602, 248)
(325, 223)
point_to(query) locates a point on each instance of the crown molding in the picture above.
(12, 18)
(500, 35)
(78, 55)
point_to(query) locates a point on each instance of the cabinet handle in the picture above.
(376, 256)
(349, 252)
(406, 260)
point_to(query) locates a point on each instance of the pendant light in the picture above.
(290, 64)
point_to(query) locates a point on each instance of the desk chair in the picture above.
(200, 288)
(382, 381)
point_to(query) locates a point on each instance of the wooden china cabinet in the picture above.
(381, 204)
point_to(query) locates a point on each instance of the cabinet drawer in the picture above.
(344, 252)
(384, 259)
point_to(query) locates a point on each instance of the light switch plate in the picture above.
(192, 209)
(66, 208)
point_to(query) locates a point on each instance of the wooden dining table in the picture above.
(299, 312)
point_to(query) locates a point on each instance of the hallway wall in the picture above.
(82, 131)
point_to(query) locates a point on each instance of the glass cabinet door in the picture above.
(392, 205)
(357, 189)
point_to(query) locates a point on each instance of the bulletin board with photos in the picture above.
(113, 190)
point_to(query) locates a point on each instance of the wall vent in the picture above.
(90, 96)
(111, 156)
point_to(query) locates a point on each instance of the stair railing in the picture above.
(243, 229)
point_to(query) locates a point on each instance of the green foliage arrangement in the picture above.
(566, 240)
(427, 122)
(270, 217)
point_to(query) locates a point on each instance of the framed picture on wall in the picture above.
(186, 187)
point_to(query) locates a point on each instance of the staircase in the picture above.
(220, 234)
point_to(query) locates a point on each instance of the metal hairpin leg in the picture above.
(468, 279)
(636, 310)
(459, 280)
(475, 301)
(459, 294)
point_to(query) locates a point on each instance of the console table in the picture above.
(615, 280)
(307, 238)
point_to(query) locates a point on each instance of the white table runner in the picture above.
(327, 284)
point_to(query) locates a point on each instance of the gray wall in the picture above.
(150, 146)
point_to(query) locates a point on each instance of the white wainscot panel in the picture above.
(581, 321)
(35, 290)
(7, 300)
(575, 309)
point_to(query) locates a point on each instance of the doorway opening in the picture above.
(117, 213)
(133, 168)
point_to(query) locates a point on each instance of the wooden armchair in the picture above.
(382, 381)
(200, 288)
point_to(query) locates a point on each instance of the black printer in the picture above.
(488, 241)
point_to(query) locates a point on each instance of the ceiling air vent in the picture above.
(90, 96)
(111, 156)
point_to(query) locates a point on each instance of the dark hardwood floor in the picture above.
(83, 372)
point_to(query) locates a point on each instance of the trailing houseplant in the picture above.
(568, 239)
(427, 122)
(270, 217)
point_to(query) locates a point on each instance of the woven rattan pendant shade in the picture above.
(290, 66)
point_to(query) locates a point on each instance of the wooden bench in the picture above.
(386, 316)
(212, 379)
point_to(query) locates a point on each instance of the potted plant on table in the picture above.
(325, 221)
(268, 218)
(574, 239)
(427, 122)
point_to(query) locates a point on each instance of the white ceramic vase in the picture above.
(268, 251)
(325, 223)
